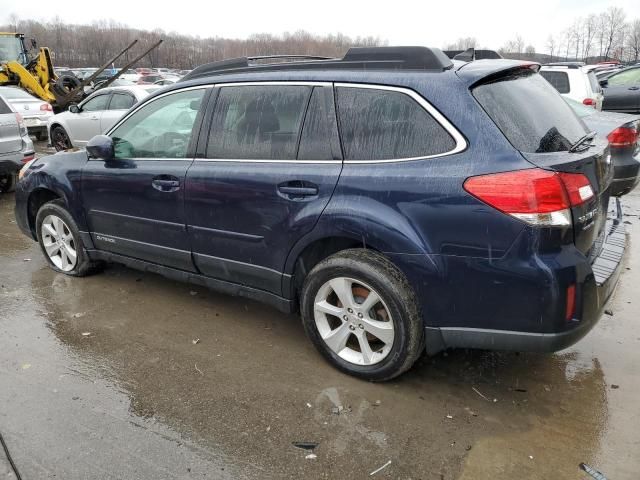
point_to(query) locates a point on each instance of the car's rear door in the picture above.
(118, 105)
(622, 92)
(10, 139)
(85, 124)
(270, 163)
(135, 203)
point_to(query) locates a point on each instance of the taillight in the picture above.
(536, 196)
(21, 125)
(46, 107)
(623, 137)
(28, 157)
(590, 102)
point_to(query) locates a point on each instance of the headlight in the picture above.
(23, 170)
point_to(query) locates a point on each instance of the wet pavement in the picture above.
(127, 375)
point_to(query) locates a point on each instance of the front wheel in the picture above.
(60, 241)
(59, 139)
(361, 314)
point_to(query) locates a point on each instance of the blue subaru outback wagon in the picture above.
(401, 201)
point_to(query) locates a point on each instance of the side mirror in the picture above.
(101, 147)
(73, 108)
(604, 83)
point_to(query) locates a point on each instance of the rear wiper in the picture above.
(589, 136)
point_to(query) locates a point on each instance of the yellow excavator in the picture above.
(37, 76)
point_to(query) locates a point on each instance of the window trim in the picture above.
(460, 141)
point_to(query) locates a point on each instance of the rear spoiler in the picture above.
(476, 73)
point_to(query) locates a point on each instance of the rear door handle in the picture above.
(297, 189)
(166, 183)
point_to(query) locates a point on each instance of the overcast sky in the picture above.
(401, 23)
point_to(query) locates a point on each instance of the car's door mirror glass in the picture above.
(100, 147)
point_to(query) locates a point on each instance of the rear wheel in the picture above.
(60, 241)
(8, 182)
(361, 314)
(59, 139)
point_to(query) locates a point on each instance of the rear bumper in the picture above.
(627, 172)
(599, 280)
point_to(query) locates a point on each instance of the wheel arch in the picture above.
(37, 198)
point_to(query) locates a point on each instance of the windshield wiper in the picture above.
(589, 136)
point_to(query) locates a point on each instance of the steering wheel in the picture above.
(172, 144)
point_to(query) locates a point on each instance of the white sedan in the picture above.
(94, 115)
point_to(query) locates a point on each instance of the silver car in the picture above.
(96, 114)
(16, 148)
(35, 112)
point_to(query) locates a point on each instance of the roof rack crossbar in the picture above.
(359, 58)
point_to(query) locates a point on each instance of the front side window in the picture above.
(257, 122)
(96, 104)
(559, 80)
(629, 77)
(378, 124)
(121, 101)
(160, 129)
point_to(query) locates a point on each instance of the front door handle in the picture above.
(166, 183)
(634, 88)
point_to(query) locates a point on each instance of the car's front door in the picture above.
(622, 93)
(271, 162)
(85, 124)
(135, 203)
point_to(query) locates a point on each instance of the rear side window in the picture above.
(121, 101)
(380, 124)
(627, 77)
(559, 80)
(315, 142)
(4, 108)
(258, 122)
(530, 113)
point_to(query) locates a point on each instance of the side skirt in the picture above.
(282, 304)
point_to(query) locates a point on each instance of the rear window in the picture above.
(12, 93)
(530, 113)
(382, 125)
(593, 81)
(559, 80)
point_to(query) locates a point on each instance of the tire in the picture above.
(59, 139)
(8, 182)
(65, 84)
(362, 272)
(53, 219)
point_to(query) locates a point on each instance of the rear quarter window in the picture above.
(4, 108)
(378, 124)
(530, 113)
(593, 81)
(559, 80)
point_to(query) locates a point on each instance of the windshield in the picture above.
(11, 49)
(530, 113)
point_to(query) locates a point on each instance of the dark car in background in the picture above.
(400, 201)
(622, 90)
(622, 131)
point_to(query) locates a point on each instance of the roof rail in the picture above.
(356, 58)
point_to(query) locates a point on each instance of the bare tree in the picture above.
(462, 43)
(590, 28)
(552, 46)
(530, 51)
(633, 40)
(614, 19)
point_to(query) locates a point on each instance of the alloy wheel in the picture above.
(59, 243)
(354, 321)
